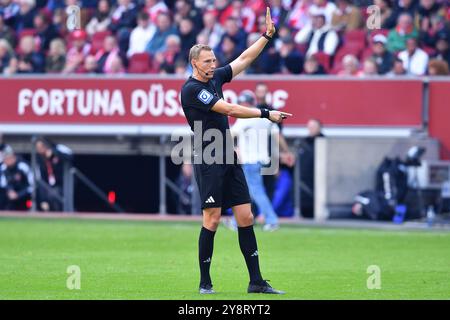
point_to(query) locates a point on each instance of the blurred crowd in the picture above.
(313, 37)
(18, 181)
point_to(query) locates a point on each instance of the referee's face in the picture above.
(205, 64)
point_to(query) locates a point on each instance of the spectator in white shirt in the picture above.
(299, 17)
(254, 136)
(141, 35)
(318, 37)
(326, 6)
(415, 60)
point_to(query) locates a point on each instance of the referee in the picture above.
(222, 184)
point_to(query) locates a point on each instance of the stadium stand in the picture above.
(431, 23)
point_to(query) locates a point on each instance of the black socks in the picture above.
(249, 248)
(205, 251)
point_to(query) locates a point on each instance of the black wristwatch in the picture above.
(266, 36)
(265, 113)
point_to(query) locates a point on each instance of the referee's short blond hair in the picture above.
(194, 53)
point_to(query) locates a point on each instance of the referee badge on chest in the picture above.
(205, 96)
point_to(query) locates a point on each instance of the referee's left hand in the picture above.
(270, 26)
(278, 116)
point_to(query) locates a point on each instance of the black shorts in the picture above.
(221, 185)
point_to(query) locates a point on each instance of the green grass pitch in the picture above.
(158, 260)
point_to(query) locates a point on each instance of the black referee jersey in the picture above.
(222, 183)
(197, 99)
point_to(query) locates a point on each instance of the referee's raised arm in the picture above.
(248, 56)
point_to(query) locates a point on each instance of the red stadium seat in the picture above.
(337, 66)
(97, 40)
(355, 40)
(348, 49)
(324, 59)
(140, 63)
(358, 36)
(75, 35)
(340, 54)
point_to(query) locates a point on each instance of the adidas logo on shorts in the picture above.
(210, 200)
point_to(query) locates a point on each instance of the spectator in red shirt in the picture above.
(221, 6)
(245, 15)
(154, 8)
(299, 15)
(79, 50)
(257, 6)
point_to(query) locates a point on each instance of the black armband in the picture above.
(265, 113)
(266, 36)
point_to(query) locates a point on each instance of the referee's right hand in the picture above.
(278, 116)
